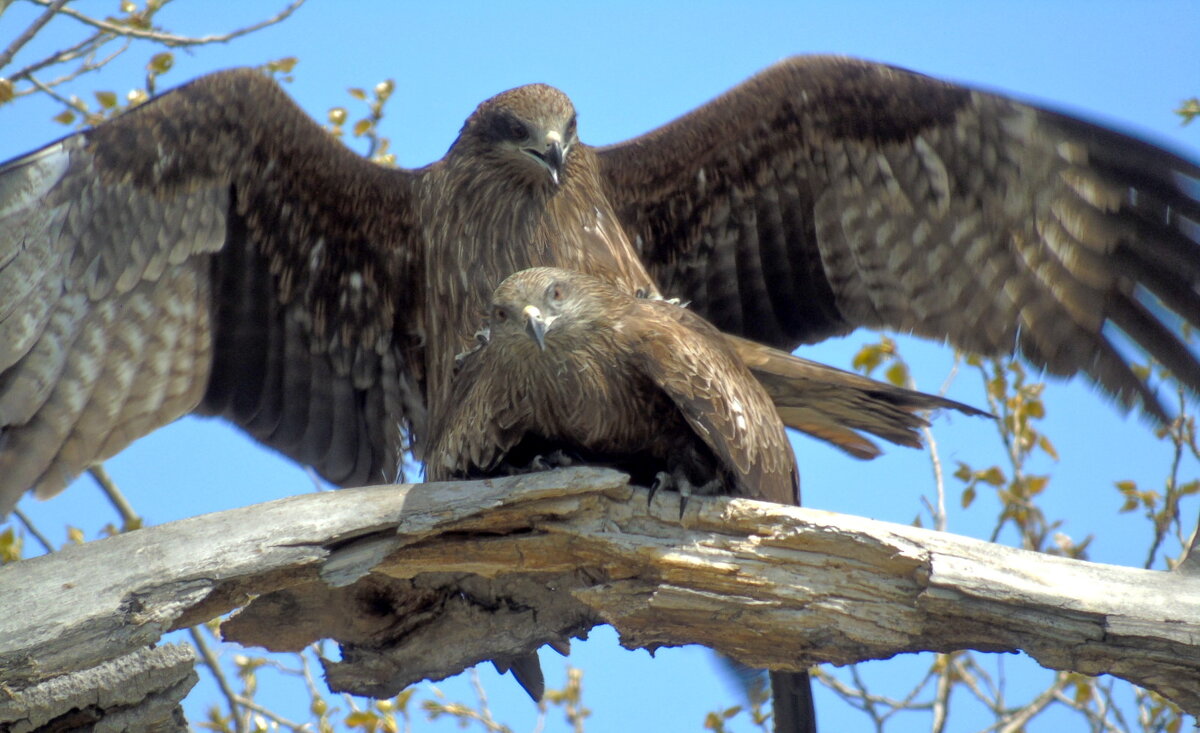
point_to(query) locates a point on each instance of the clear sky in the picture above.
(630, 66)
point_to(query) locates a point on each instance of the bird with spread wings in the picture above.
(215, 250)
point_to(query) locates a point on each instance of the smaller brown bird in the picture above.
(572, 369)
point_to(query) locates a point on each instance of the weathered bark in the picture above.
(420, 581)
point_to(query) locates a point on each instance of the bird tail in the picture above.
(833, 405)
(792, 702)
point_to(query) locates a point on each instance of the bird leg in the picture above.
(482, 336)
(644, 294)
(556, 459)
(677, 481)
(548, 462)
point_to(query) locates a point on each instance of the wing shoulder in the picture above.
(690, 361)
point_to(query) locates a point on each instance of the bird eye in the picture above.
(507, 127)
(500, 315)
(557, 292)
(571, 128)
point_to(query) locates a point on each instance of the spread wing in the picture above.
(213, 248)
(826, 194)
(695, 366)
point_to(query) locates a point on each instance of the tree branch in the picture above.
(421, 581)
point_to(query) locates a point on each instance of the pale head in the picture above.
(542, 305)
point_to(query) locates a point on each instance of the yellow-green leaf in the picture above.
(1035, 484)
(993, 476)
(161, 63)
(357, 93)
(361, 127)
(65, 117)
(337, 116)
(897, 374)
(10, 546)
(283, 65)
(107, 100)
(7, 91)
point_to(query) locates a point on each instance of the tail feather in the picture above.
(792, 701)
(833, 405)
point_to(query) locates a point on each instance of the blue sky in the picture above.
(629, 67)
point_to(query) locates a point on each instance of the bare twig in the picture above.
(275, 717)
(33, 530)
(214, 667)
(171, 39)
(129, 517)
(51, 9)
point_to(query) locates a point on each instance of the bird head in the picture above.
(530, 128)
(542, 303)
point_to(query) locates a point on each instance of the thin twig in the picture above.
(170, 39)
(129, 517)
(214, 666)
(266, 713)
(85, 47)
(51, 9)
(29, 527)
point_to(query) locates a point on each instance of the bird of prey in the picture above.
(572, 369)
(215, 250)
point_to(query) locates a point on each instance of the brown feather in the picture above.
(639, 384)
(881, 197)
(319, 300)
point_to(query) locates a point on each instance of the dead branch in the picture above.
(421, 581)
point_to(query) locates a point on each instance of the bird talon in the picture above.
(662, 480)
(685, 491)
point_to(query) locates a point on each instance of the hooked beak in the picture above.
(552, 155)
(536, 325)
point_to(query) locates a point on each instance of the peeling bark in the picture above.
(420, 581)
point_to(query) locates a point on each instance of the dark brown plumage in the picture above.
(574, 365)
(575, 370)
(215, 250)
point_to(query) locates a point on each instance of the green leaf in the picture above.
(283, 65)
(993, 476)
(10, 546)
(161, 63)
(897, 374)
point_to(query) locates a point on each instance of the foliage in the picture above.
(1189, 109)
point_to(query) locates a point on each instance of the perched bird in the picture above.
(215, 250)
(572, 366)
(572, 369)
